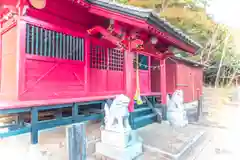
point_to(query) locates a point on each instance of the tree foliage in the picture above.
(191, 17)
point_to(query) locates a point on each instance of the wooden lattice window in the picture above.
(116, 59)
(49, 43)
(98, 57)
(105, 58)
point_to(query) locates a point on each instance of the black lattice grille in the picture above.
(98, 57)
(44, 42)
(116, 59)
(105, 58)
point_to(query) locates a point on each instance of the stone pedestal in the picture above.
(116, 153)
(118, 140)
(119, 145)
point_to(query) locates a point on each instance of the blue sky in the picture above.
(226, 11)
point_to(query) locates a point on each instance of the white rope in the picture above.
(146, 66)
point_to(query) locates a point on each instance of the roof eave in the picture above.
(151, 19)
(165, 26)
(191, 62)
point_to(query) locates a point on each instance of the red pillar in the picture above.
(129, 72)
(87, 64)
(163, 82)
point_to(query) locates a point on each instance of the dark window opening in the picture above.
(142, 62)
(49, 43)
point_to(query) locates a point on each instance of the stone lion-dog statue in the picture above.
(117, 115)
(176, 113)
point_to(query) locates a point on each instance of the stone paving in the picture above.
(168, 139)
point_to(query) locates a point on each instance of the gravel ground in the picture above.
(52, 145)
(223, 142)
(222, 123)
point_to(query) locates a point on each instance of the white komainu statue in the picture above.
(117, 112)
(176, 113)
(176, 101)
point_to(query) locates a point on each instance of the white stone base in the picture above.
(116, 153)
(116, 139)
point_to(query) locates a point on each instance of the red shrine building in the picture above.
(73, 55)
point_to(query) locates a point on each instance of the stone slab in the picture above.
(167, 139)
(116, 139)
(128, 153)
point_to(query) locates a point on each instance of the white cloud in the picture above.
(226, 11)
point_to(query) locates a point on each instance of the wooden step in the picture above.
(144, 120)
(142, 112)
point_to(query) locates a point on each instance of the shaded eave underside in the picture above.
(189, 62)
(148, 16)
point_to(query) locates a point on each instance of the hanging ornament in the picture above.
(137, 96)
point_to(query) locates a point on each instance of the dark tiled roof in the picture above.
(150, 16)
(189, 61)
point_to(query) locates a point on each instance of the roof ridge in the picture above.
(128, 6)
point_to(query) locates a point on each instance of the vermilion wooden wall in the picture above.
(189, 79)
(170, 76)
(41, 77)
(106, 69)
(30, 76)
(155, 75)
(47, 77)
(9, 61)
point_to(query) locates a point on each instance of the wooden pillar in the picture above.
(163, 82)
(9, 64)
(34, 129)
(1, 25)
(21, 57)
(150, 74)
(87, 63)
(76, 141)
(129, 84)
